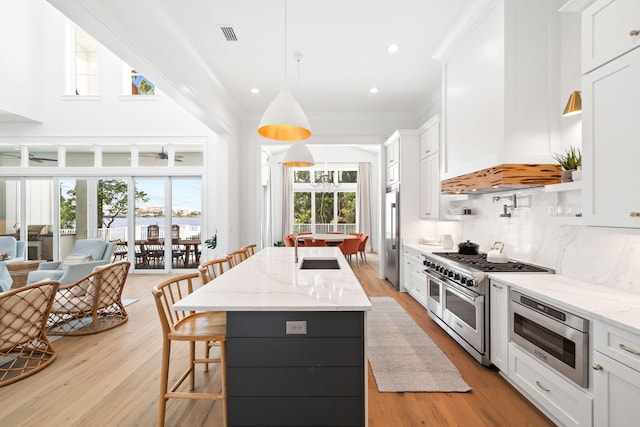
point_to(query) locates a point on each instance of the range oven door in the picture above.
(434, 295)
(464, 313)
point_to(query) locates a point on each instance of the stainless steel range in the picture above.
(458, 296)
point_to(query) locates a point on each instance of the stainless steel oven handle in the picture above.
(630, 350)
(472, 299)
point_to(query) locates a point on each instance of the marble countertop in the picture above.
(619, 308)
(426, 248)
(271, 281)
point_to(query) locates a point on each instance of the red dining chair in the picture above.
(362, 246)
(350, 247)
(315, 242)
(289, 240)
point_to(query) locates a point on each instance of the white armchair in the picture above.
(76, 265)
(15, 249)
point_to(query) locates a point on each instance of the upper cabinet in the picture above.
(430, 169)
(496, 86)
(392, 155)
(610, 29)
(610, 111)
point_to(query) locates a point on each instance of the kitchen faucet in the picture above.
(514, 204)
(295, 244)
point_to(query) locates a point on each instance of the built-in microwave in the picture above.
(556, 337)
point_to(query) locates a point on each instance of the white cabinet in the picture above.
(392, 155)
(610, 29)
(407, 268)
(611, 131)
(430, 138)
(414, 279)
(430, 187)
(430, 169)
(616, 376)
(499, 325)
(569, 404)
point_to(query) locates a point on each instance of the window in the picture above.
(325, 200)
(140, 85)
(85, 63)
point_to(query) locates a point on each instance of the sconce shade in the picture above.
(574, 105)
(298, 155)
(284, 119)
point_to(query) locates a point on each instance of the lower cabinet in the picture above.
(565, 401)
(499, 325)
(419, 287)
(616, 376)
(275, 378)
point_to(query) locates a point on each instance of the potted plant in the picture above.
(212, 241)
(570, 160)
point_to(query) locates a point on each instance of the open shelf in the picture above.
(564, 186)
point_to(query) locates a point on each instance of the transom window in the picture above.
(325, 200)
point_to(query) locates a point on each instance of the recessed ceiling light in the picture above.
(255, 90)
(393, 48)
(373, 90)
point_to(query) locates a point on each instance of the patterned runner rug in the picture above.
(403, 357)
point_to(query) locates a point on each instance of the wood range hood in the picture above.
(504, 177)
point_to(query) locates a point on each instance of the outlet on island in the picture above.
(296, 327)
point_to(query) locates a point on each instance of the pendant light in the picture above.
(284, 120)
(574, 104)
(298, 155)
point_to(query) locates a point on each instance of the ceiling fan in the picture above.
(162, 155)
(32, 157)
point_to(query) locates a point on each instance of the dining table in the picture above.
(191, 250)
(332, 239)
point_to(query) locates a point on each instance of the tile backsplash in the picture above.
(602, 256)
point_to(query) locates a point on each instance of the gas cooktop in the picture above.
(479, 262)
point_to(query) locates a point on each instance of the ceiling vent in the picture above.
(228, 32)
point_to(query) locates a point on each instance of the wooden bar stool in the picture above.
(236, 257)
(211, 269)
(251, 249)
(192, 327)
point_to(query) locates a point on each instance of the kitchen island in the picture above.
(295, 339)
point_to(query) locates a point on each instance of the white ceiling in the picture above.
(343, 43)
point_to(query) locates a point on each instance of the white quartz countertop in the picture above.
(427, 249)
(596, 302)
(271, 281)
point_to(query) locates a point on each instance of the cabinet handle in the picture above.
(597, 367)
(630, 350)
(634, 213)
(542, 387)
(633, 33)
(496, 286)
(426, 151)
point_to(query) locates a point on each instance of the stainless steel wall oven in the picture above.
(556, 337)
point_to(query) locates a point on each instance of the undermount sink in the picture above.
(319, 264)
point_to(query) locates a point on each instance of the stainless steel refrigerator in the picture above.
(392, 236)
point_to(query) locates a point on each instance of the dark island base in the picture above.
(312, 379)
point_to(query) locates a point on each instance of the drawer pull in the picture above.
(634, 213)
(630, 350)
(597, 367)
(542, 387)
(496, 286)
(633, 33)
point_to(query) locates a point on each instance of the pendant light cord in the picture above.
(285, 42)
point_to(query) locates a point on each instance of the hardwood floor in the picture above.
(111, 379)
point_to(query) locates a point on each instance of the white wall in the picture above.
(21, 73)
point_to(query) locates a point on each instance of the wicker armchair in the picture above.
(24, 346)
(92, 304)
